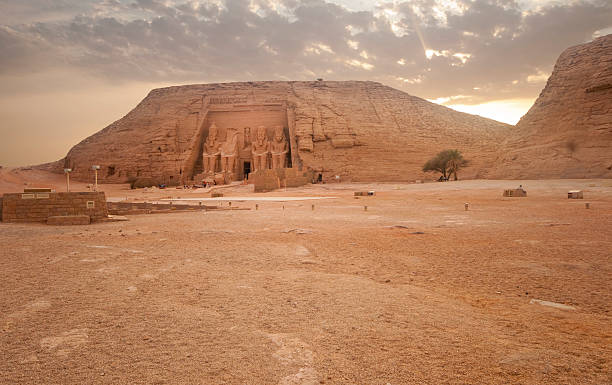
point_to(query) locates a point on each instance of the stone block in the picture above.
(15, 208)
(515, 193)
(36, 190)
(575, 194)
(62, 220)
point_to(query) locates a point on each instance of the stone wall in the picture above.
(37, 207)
(68, 220)
(268, 180)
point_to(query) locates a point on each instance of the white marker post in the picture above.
(67, 171)
(95, 168)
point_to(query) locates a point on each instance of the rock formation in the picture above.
(361, 131)
(567, 133)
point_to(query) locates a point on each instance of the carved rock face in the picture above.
(261, 135)
(212, 133)
(363, 131)
(229, 146)
(279, 135)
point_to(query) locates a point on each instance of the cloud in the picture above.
(481, 49)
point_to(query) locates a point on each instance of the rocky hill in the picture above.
(362, 131)
(568, 131)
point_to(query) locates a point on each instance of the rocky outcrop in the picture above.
(568, 131)
(361, 131)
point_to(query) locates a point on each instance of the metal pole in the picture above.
(67, 182)
(96, 183)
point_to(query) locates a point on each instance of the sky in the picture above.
(68, 68)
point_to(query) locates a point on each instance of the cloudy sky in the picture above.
(70, 67)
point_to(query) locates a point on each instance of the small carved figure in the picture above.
(211, 150)
(229, 151)
(247, 137)
(279, 148)
(260, 149)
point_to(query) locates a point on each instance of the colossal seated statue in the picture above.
(211, 150)
(279, 148)
(246, 135)
(229, 151)
(260, 149)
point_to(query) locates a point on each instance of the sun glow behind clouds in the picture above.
(507, 111)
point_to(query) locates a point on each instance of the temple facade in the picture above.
(239, 140)
(359, 131)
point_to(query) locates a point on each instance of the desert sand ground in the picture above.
(415, 290)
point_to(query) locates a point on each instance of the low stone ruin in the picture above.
(575, 194)
(272, 179)
(364, 193)
(136, 208)
(515, 193)
(54, 207)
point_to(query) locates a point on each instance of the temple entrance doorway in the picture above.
(246, 169)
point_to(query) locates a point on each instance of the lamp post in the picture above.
(96, 168)
(67, 171)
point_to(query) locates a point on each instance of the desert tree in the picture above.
(447, 162)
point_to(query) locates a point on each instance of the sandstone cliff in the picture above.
(568, 131)
(361, 131)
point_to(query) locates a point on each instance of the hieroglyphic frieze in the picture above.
(229, 100)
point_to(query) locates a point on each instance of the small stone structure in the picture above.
(272, 179)
(517, 192)
(364, 193)
(574, 194)
(39, 206)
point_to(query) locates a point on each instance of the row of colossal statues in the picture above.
(227, 152)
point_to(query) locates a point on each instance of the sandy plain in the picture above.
(413, 290)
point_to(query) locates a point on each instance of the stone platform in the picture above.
(37, 207)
